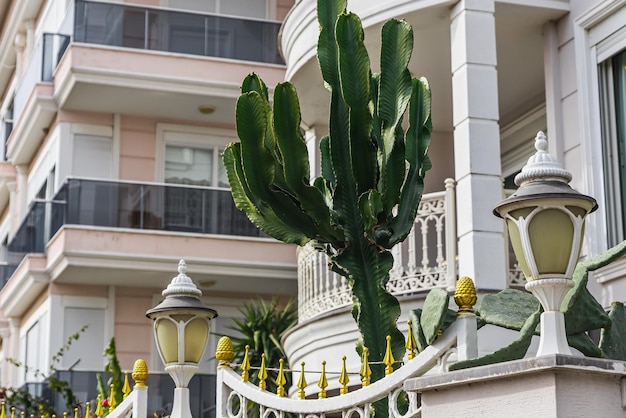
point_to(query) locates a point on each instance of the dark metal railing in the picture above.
(160, 392)
(174, 31)
(116, 204)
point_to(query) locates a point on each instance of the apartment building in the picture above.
(114, 114)
(113, 117)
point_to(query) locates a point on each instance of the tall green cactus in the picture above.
(372, 171)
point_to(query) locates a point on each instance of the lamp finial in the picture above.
(182, 285)
(542, 166)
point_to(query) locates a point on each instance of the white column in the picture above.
(20, 43)
(477, 143)
(552, 71)
(5, 334)
(30, 36)
(15, 219)
(22, 182)
(14, 350)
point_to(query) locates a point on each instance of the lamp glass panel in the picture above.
(167, 339)
(516, 243)
(196, 336)
(551, 234)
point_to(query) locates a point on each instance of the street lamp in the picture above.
(181, 331)
(546, 221)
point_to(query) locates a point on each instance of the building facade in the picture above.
(114, 115)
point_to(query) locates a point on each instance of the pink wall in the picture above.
(74, 289)
(282, 7)
(133, 331)
(137, 148)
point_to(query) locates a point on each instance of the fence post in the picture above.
(467, 337)
(140, 401)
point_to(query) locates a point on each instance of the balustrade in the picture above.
(421, 262)
(427, 259)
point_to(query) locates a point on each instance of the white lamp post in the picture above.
(546, 219)
(181, 331)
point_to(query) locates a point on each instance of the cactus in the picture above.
(372, 171)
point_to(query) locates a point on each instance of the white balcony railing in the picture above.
(421, 262)
(425, 260)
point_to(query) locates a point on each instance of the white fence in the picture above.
(233, 394)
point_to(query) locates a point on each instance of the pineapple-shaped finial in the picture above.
(465, 295)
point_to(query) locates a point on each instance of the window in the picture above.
(33, 360)
(92, 156)
(245, 8)
(196, 166)
(613, 103)
(85, 353)
(193, 157)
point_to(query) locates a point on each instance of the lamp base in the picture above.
(553, 339)
(181, 373)
(180, 407)
(550, 292)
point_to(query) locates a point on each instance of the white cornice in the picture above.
(599, 12)
(28, 132)
(23, 288)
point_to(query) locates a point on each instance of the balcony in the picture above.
(112, 233)
(113, 204)
(425, 260)
(139, 61)
(34, 97)
(178, 32)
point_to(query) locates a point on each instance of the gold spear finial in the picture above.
(75, 412)
(411, 344)
(112, 400)
(366, 371)
(280, 379)
(88, 410)
(301, 382)
(263, 373)
(388, 360)
(3, 412)
(126, 387)
(245, 366)
(465, 295)
(323, 382)
(343, 377)
(99, 407)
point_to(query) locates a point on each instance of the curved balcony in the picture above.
(421, 262)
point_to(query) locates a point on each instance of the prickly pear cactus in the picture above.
(517, 310)
(366, 199)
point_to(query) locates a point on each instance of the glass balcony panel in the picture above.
(202, 389)
(177, 32)
(131, 205)
(174, 31)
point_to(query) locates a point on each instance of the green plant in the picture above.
(262, 326)
(520, 311)
(366, 199)
(116, 380)
(24, 401)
